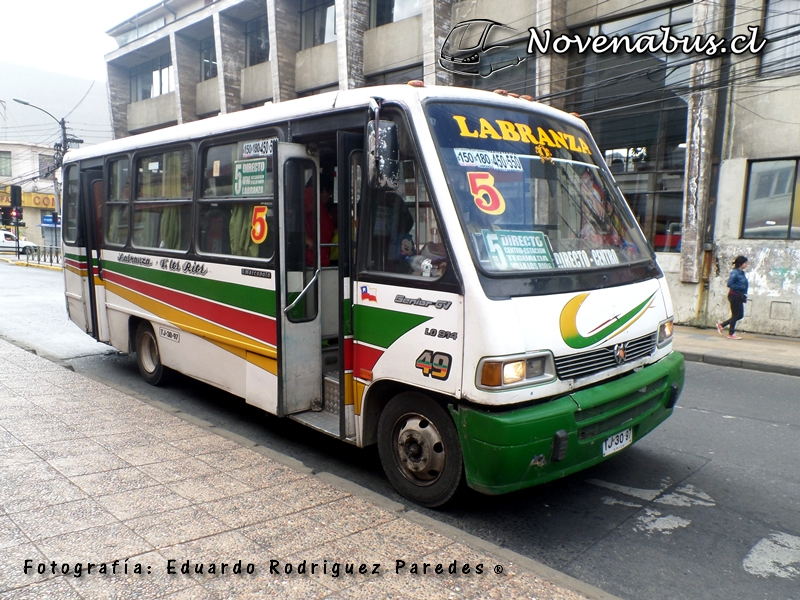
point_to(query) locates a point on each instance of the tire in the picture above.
(420, 450)
(148, 357)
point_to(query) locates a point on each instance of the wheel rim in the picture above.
(419, 449)
(149, 353)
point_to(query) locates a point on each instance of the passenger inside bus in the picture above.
(326, 222)
(391, 244)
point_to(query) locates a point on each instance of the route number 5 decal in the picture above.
(258, 232)
(487, 197)
(434, 364)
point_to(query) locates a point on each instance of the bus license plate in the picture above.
(617, 442)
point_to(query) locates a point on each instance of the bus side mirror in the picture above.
(384, 166)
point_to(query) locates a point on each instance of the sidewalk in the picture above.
(757, 352)
(91, 475)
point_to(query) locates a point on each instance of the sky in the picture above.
(63, 36)
(54, 57)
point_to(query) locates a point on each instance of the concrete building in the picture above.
(704, 145)
(32, 167)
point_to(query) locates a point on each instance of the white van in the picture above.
(8, 243)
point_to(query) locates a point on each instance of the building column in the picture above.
(707, 19)
(186, 61)
(551, 68)
(352, 18)
(284, 43)
(119, 96)
(436, 24)
(229, 41)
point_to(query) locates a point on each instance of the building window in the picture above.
(770, 211)
(256, 41)
(781, 27)
(398, 76)
(317, 23)
(382, 12)
(153, 78)
(637, 112)
(208, 59)
(5, 163)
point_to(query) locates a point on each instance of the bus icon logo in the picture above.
(479, 47)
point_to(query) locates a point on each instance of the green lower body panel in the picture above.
(514, 449)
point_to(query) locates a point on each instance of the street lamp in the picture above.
(60, 155)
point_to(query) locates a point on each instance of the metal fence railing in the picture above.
(44, 255)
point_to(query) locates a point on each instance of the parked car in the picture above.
(8, 243)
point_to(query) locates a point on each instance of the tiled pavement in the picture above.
(91, 475)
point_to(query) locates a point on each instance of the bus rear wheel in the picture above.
(420, 450)
(147, 356)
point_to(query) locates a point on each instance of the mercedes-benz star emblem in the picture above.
(619, 353)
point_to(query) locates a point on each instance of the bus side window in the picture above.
(235, 212)
(71, 231)
(162, 211)
(117, 213)
(401, 227)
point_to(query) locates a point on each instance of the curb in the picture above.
(22, 263)
(741, 363)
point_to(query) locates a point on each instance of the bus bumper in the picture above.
(511, 450)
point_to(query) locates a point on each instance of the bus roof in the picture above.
(304, 107)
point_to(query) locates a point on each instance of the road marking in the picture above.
(774, 556)
(688, 496)
(648, 495)
(652, 521)
(613, 501)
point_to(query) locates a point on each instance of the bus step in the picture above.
(321, 421)
(330, 359)
(331, 390)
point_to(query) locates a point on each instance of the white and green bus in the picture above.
(451, 274)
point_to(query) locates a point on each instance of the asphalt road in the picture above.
(704, 507)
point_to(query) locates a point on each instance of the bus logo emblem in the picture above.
(619, 353)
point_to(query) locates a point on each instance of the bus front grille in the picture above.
(575, 366)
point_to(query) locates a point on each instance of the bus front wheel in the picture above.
(147, 356)
(420, 450)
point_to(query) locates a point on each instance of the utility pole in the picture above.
(60, 147)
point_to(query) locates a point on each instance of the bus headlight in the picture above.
(665, 332)
(515, 371)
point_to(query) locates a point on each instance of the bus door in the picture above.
(83, 191)
(349, 167)
(299, 351)
(93, 190)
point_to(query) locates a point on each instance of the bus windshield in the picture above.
(531, 192)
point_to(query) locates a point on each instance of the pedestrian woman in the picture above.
(737, 296)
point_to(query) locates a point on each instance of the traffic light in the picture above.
(16, 196)
(14, 213)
